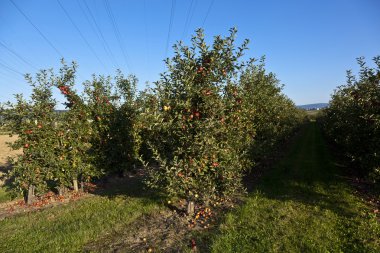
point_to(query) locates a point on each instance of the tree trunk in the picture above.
(61, 190)
(82, 186)
(190, 207)
(30, 195)
(75, 184)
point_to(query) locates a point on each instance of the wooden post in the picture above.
(190, 207)
(61, 190)
(30, 195)
(75, 183)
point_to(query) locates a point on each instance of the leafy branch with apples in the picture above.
(207, 121)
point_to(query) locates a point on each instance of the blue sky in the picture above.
(308, 44)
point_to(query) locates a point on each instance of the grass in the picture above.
(69, 228)
(4, 195)
(301, 205)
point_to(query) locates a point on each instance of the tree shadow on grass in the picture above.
(6, 181)
(330, 198)
(131, 185)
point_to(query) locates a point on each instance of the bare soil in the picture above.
(16, 207)
(163, 232)
(6, 152)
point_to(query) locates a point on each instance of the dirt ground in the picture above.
(6, 151)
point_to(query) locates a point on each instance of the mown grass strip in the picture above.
(69, 228)
(301, 206)
(4, 195)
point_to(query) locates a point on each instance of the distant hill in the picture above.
(313, 106)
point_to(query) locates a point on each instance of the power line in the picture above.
(81, 34)
(18, 56)
(38, 30)
(208, 12)
(170, 26)
(11, 69)
(116, 32)
(147, 55)
(189, 17)
(15, 77)
(98, 32)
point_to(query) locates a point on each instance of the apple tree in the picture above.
(198, 122)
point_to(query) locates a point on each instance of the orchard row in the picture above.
(209, 118)
(353, 119)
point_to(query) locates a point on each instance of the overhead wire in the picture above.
(208, 12)
(116, 32)
(189, 17)
(9, 81)
(8, 75)
(147, 54)
(38, 30)
(18, 56)
(97, 31)
(11, 69)
(170, 27)
(81, 35)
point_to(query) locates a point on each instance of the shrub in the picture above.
(74, 133)
(33, 122)
(113, 110)
(353, 119)
(198, 122)
(95, 135)
(274, 116)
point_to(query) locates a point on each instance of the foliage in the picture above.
(207, 112)
(72, 151)
(205, 123)
(353, 119)
(273, 115)
(93, 136)
(113, 111)
(33, 122)
(197, 121)
(300, 206)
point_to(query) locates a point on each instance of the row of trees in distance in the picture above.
(208, 119)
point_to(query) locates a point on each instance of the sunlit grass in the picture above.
(301, 206)
(68, 228)
(4, 195)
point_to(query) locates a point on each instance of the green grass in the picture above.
(301, 206)
(68, 228)
(4, 195)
